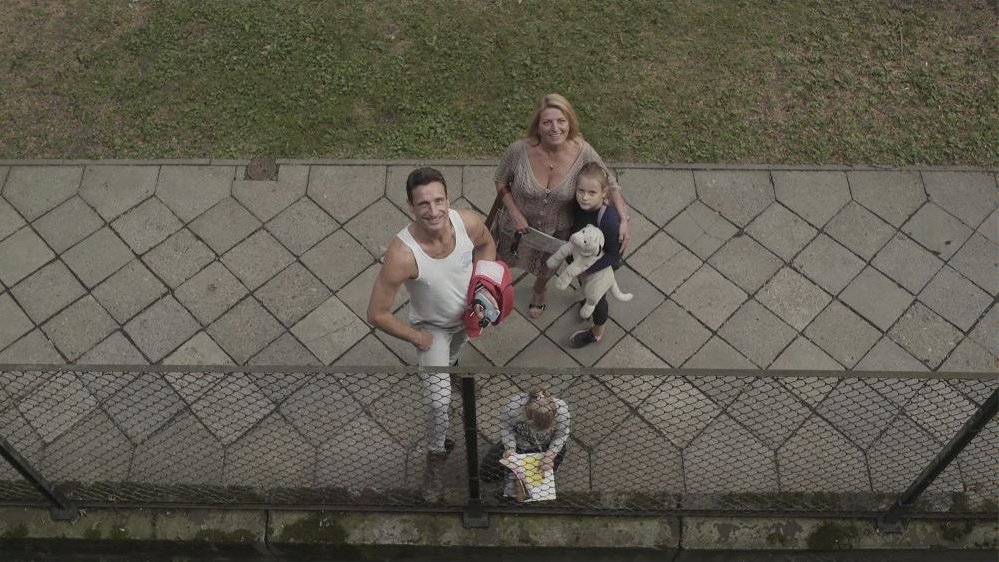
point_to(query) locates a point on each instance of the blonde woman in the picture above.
(532, 422)
(536, 179)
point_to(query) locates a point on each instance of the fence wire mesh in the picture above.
(634, 441)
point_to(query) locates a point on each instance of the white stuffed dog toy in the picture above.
(586, 247)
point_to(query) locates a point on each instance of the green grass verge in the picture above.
(794, 81)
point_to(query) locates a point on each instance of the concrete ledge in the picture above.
(294, 533)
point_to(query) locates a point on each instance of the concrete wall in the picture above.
(252, 533)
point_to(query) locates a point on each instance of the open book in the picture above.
(531, 484)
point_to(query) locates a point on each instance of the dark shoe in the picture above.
(582, 338)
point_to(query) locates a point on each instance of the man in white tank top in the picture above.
(433, 257)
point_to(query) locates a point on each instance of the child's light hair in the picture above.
(593, 171)
(541, 409)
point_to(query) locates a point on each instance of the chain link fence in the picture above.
(635, 441)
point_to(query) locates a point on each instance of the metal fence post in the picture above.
(64, 510)
(891, 520)
(474, 516)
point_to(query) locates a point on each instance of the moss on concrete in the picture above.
(316, 528)
(218, 536)
(19, 531)
(833, 536)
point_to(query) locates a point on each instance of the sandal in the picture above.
(536, 310)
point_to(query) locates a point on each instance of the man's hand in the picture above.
(423, 340)
(548, 462)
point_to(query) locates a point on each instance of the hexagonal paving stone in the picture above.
(502, 344)
(628, 353)
(671, 333)
(700, 229)
(33, 190)
(658, 194)
(757, 333)
(781, 231)
(10, 220)
(955, 298)
(886, 355)
(21, 254)
(842, 334)
(659, 471)
(257, 259)
(859, 230)
(356, 293)
(144, 405)
(224, 225)
(301, 226)
(978, 260)
(97, 257)
(369, 351)
(181, 452)
(857, 410)
(570, 323)
(793, 298)
(292, 294)
(232, 407)
(990, 227)
(925, 335)
(543, 351)
(769, 411)
(178, 258)
(727, 458)
(161, 328)
(32, 348)
(330, 330)
(745, 262)
(268, 198)
(146, 225)
(343, 191)
(245, 329)
(285, 350)
(908, 263)
(970, 357)
(900, 454)
(664, 262)
(199, 350)
(128, 291)
(114, 189)
(288, 462)
(893, 195)
(828, 264)
(738, 195)
(114, 350)
(191, 190)
(94, 450)
(818, 458)
(717, 354)
(805, 355)
(876, 298)
(67, 224)
(478, 186)
(337, 259)
(937, 231)
(969, 196)
(79, 327)
(46, 291)
(15, 323)
(815, 196)
(985, 332)
(375, 227)
(210, 293)
(646, 299)
(709, 296)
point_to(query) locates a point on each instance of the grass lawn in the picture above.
(762, 81)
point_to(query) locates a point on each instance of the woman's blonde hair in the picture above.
(541, 409)
(560, 103)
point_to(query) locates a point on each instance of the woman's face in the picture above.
(553, 126)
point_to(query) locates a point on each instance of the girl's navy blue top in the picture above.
(610, 225)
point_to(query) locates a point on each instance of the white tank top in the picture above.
(437, 295)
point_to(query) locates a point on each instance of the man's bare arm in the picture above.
(399, 265)
(485, 247)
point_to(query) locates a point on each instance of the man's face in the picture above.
(430, 206)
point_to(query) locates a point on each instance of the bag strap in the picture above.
(497, 204)
(600, 214)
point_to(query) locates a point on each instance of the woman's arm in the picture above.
(518, 219)
(624, 234)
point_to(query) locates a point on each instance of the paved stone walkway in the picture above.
(188, 263)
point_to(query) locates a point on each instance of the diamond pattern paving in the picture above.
(816, 270)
